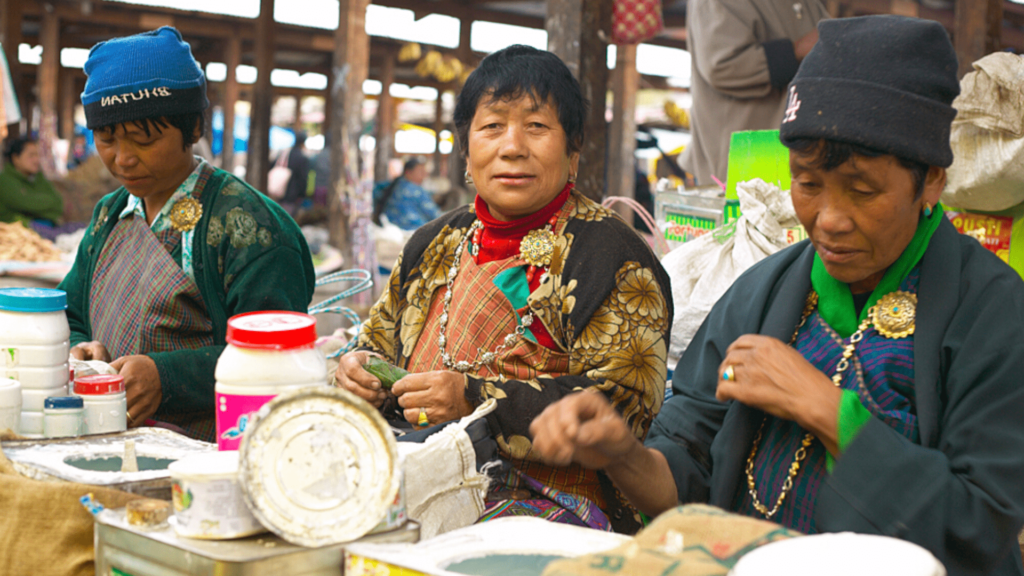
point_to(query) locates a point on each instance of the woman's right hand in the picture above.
(582, 428)
(351, 376)
(91, 351)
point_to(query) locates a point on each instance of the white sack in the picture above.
(704, 268)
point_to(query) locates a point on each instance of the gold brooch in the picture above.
(185, 214)
(894, 315)
(538, 246)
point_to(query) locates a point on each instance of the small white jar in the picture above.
(208, 499)
(267, 353)
(10, 404)
(106, 406)
(62, 416)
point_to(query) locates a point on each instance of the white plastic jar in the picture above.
(106, 406)
(10, 404)
(267, 353)
(208, 500)
(62, 416)
(34, 346)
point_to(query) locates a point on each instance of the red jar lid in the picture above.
(99, 384)
(272, 330)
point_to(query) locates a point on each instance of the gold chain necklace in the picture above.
(893, 316)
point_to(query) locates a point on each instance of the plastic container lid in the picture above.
(99, 384)
(273, 330)
(33, 299)
(319, 466)
(206, 465)
(56, 402)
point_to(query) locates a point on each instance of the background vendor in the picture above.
(180, 247)
(25, 194)
(866, 380)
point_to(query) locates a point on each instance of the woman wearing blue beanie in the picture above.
(867, 379)
(180, 247)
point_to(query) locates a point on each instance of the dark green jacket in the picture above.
(960, 492)
(247, 255)
(22, 199)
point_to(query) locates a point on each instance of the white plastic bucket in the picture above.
(207, 498)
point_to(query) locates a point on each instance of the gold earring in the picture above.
(927, 210)
(469, 177)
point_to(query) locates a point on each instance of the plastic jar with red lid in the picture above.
(267, 353)
(105, 403)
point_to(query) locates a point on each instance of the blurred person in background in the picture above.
(25, 194)
(298, 163)
(404, 200)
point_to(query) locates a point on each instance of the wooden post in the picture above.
(905, 8)
(10, 28)
(68, 97)
(232, 58)
(575, 30)
(978, 30)
(49, 36)
(438, 127)
(350, 203)
(622, 136)
(385, 119)
(258, 161)
(456, 161)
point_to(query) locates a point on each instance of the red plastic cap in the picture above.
(272, 330)
(99, 384)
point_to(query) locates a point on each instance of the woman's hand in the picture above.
(442, 394)
(775, 378)
(351, 376)
(91, 351)
(142, 387)
(582, 428)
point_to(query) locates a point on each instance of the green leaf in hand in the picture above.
(387, 373)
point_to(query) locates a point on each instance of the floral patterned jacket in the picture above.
(607, 304)
(247, 255)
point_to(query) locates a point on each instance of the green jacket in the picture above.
(247, 255)
(24, 200)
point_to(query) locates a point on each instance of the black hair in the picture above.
(17, 145)
(831, 154)
(410, 164)
(191, 125)
(385, 196)
(518, 71)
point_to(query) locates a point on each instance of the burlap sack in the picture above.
(44, 530)
(692, 540)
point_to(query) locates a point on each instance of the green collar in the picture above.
(835, 301)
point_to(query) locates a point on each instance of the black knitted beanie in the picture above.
(882, 82)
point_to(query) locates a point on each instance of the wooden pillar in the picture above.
(258, 161)
(622, 136)
(232, 58)
(68, 97)
(385, 119)
(833, 7)
(438, 127)
(576, 29)
(10, 28)
(978, 30)
(46, 81)
(905, 8)
(350, 204)
(456, 160)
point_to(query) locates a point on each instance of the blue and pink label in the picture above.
(234, 413)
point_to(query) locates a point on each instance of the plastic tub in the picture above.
(34, 329)
(10, 404)
(106, 405)
(62, 416)
(267, 353)
(207, 497)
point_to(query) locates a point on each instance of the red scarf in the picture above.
(500, 240)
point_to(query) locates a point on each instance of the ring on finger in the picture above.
(129, 415)
(422, 420)
(729, 374)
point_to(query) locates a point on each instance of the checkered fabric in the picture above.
(142, 301)
(634, 21)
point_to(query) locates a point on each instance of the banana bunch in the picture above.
(429, 64)
(679, 116)
(411, 51)
(448, 70)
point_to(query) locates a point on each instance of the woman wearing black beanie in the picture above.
(865, 380)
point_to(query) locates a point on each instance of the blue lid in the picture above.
(63, 402)
(33, 299)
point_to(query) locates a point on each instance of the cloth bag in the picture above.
(691, 540)
(634, 21)
(45, 530)
(443, 489)
(702, 269)
(988, 136)
(279, 175)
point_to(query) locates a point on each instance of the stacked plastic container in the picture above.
(34, 337)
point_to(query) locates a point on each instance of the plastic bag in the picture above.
(988, 136)
(278, 177)
(704, 268)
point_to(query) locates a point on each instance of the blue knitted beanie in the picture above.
(149, 75)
